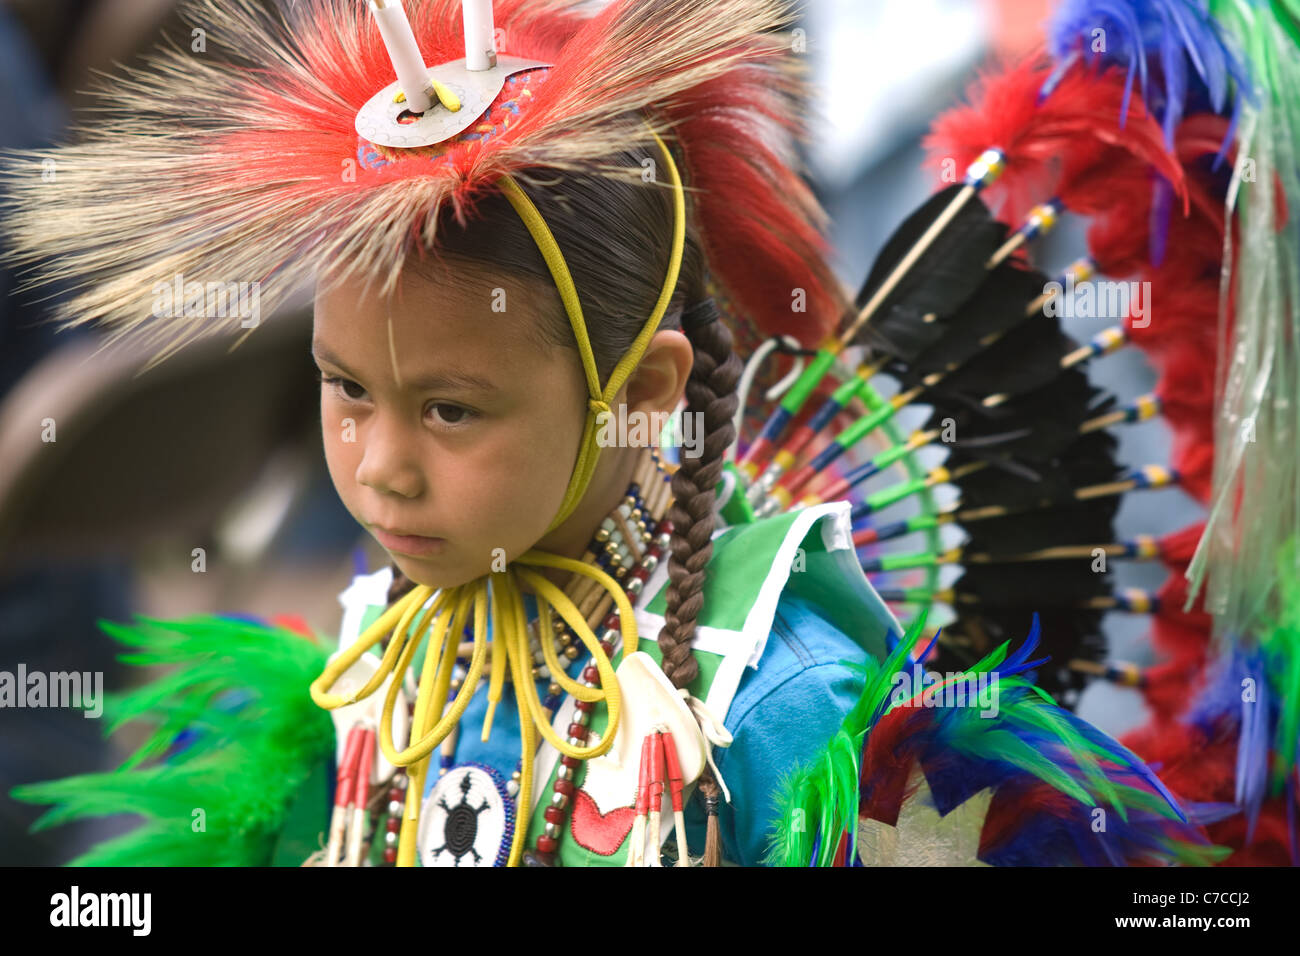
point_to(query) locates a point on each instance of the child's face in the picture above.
(450, 433)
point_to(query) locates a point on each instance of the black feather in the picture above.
(1026, 359)
(1035, 426)
(1088, 460)
(1057, 523)
(944, 276)
(996, 308)
(1040, 584)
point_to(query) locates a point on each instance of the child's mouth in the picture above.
(412, 545)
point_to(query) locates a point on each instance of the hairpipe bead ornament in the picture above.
(545, 851)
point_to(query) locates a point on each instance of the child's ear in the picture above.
(659, 381)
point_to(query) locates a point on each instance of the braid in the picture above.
(711, 390)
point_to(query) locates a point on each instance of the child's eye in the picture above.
(347, 387)
(447, 414)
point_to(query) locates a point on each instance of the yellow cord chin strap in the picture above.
(449, 611)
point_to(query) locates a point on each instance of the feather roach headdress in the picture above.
(270, 155)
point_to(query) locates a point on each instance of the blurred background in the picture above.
(215, 455)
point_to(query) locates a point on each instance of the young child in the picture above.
(458, 281)
(523, 250)
(451, 411)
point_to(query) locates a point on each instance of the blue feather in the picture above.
(1018, 662)
(1152, 40)
(1030, 742)
(1220, 703)
(1203, 814)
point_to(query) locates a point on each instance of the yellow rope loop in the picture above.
(630, 360)
(559, 269)
(509, 630)
(437, 667)
(436, 679)
(553, 664)
(528, 745)
(609, 691)
(626, 615)
(417, 771)
(599, 406)
(398, 618)
(499, 657)
(439, 663)
(387, 745)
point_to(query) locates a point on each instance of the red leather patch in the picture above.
(601, 833)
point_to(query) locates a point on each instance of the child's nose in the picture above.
(387, 464)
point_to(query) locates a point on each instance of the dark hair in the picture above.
(616, 237)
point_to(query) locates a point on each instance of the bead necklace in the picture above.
(547, 845)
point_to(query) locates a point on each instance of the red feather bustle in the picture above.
(1053, 148)
(748, 232)
(1179, 637)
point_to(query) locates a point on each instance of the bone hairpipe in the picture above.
(408, 62)
(480, 42)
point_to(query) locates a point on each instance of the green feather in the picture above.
(222, 799)
(1281, 646)
(823, 795)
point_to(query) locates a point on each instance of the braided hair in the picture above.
(711, 393)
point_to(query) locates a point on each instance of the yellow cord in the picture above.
(441, 623)
(446, 614)
(522, 670)
(499, 662)
(598, 401)
(569, 685)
